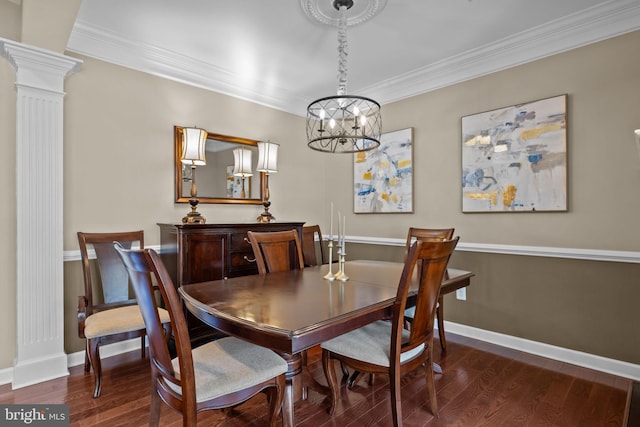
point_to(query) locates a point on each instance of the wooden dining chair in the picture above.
(219, 374)
(429, 234)
(107, 313)
(311, 255)
(276, 250)
(385, 347)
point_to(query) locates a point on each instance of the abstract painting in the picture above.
(383, 177)
(514, 159)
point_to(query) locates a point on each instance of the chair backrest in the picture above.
(309, 233)
(427, 234)
(145, 266)
(276, 250)
(430, 259)
(113, 276)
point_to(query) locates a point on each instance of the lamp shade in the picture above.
(267, 157)
(242, 162)
(193, 146)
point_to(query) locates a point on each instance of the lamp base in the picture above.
(266, 215)
(194, 218)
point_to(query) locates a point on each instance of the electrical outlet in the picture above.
(461, 294)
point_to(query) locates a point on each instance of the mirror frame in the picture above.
(178, 135)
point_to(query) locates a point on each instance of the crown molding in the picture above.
(108, 46)
(592, 25)
(609, 19)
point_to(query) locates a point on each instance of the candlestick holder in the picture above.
(342, 255)
(330, 275)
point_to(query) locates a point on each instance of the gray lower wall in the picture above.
(588, 306)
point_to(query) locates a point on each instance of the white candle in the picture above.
(331, 229)
(344, 228)
(339, 226)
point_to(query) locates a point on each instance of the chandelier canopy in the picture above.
(343, 123)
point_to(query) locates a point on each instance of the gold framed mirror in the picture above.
(215, 180)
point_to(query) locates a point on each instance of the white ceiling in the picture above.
(272, 53)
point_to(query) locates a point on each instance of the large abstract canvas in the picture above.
(383, 177)
(514, 159)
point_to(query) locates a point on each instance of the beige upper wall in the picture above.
(119, 150)
(7, 213)
(48, 23)
(10, 20)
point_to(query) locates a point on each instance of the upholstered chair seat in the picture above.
(118, 320)
(229, 365)
(371, 344)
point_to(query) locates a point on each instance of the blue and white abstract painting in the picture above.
(383, 177)
(514, 159)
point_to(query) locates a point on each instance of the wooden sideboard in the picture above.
(196, 253)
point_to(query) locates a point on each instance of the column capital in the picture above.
(38, 68)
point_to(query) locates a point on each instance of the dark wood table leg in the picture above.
(294, 388)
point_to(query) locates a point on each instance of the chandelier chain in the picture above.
(343, 51)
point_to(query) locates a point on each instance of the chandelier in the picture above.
(343, 123)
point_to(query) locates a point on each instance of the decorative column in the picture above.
(40, 78)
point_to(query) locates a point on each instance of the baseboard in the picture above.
(77, 358)
(37, 370)
(603, 364)
(586, 360)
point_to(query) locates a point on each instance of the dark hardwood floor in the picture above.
(482, 385)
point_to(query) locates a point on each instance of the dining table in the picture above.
(292, 311)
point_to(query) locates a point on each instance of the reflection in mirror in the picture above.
(216, 181)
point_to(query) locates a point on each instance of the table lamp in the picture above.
(267, 163)
(193, 153)
(242, 166)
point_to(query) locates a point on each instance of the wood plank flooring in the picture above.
(482, 385)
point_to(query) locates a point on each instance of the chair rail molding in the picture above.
(40, 76)
(492, 248)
